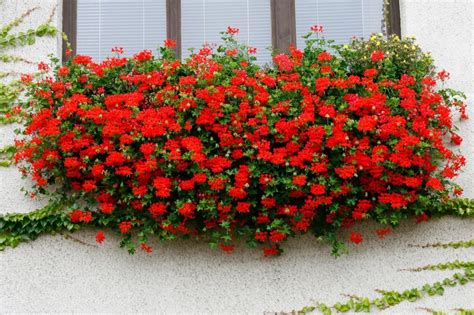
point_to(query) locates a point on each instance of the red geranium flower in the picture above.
(367, 123)
(383, 232)
(318, 189)
(228, 248)
(106, 207)
(187, 209)
(243, 207)
(270, 251)
(100, 237)
(324, 56)
(376, 55)
(356, 238)
(456, 139)
(421, 218)
(144, 247)
(80, 216)
(143, 55)
(232, 30)
(369, 73)
(162, 186)
(317, 28)
(345, 172)
(299, 180)
(435, 184)
(125, 226)
(277, 236)
(157, 209)
(170, 42)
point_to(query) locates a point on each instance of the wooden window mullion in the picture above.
(69, 26)
(283, 24)
(173, 23)
(394, 27)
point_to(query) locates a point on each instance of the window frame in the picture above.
(283, 24)
(393, 22)
(283, 21)
(69, 26)
(173, 23)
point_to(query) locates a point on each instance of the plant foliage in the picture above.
(219, 148)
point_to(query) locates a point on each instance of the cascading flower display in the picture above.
(219, 148)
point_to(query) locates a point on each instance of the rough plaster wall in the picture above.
(53, 274)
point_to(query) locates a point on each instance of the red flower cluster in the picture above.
(376, 55)
(100, 237)
(80, 216)
(217, 146)
(356, 238)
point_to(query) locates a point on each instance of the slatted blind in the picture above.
(203, 20)
(341, 19)
(133, 25)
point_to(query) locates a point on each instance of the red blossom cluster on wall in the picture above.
(220, 148)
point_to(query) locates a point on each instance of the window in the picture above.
(133, 25)
(203, 20)
(341, 19)
(95, 26)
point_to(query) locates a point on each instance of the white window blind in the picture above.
(341, 19)
(133, 25)
(203, 20)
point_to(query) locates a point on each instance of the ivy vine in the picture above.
(444, 266)
(459, 311)
(6, 155)
(11, 90)
(462, 207)
(458, 244)
(391, 298)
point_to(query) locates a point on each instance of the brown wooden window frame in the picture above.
(283, 21)
(283, 24)
(393, 23)
(69, 24)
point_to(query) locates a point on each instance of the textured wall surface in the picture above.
(53, 274)
(446, 29)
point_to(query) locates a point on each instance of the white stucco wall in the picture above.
(446, 29)
(53, 274)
